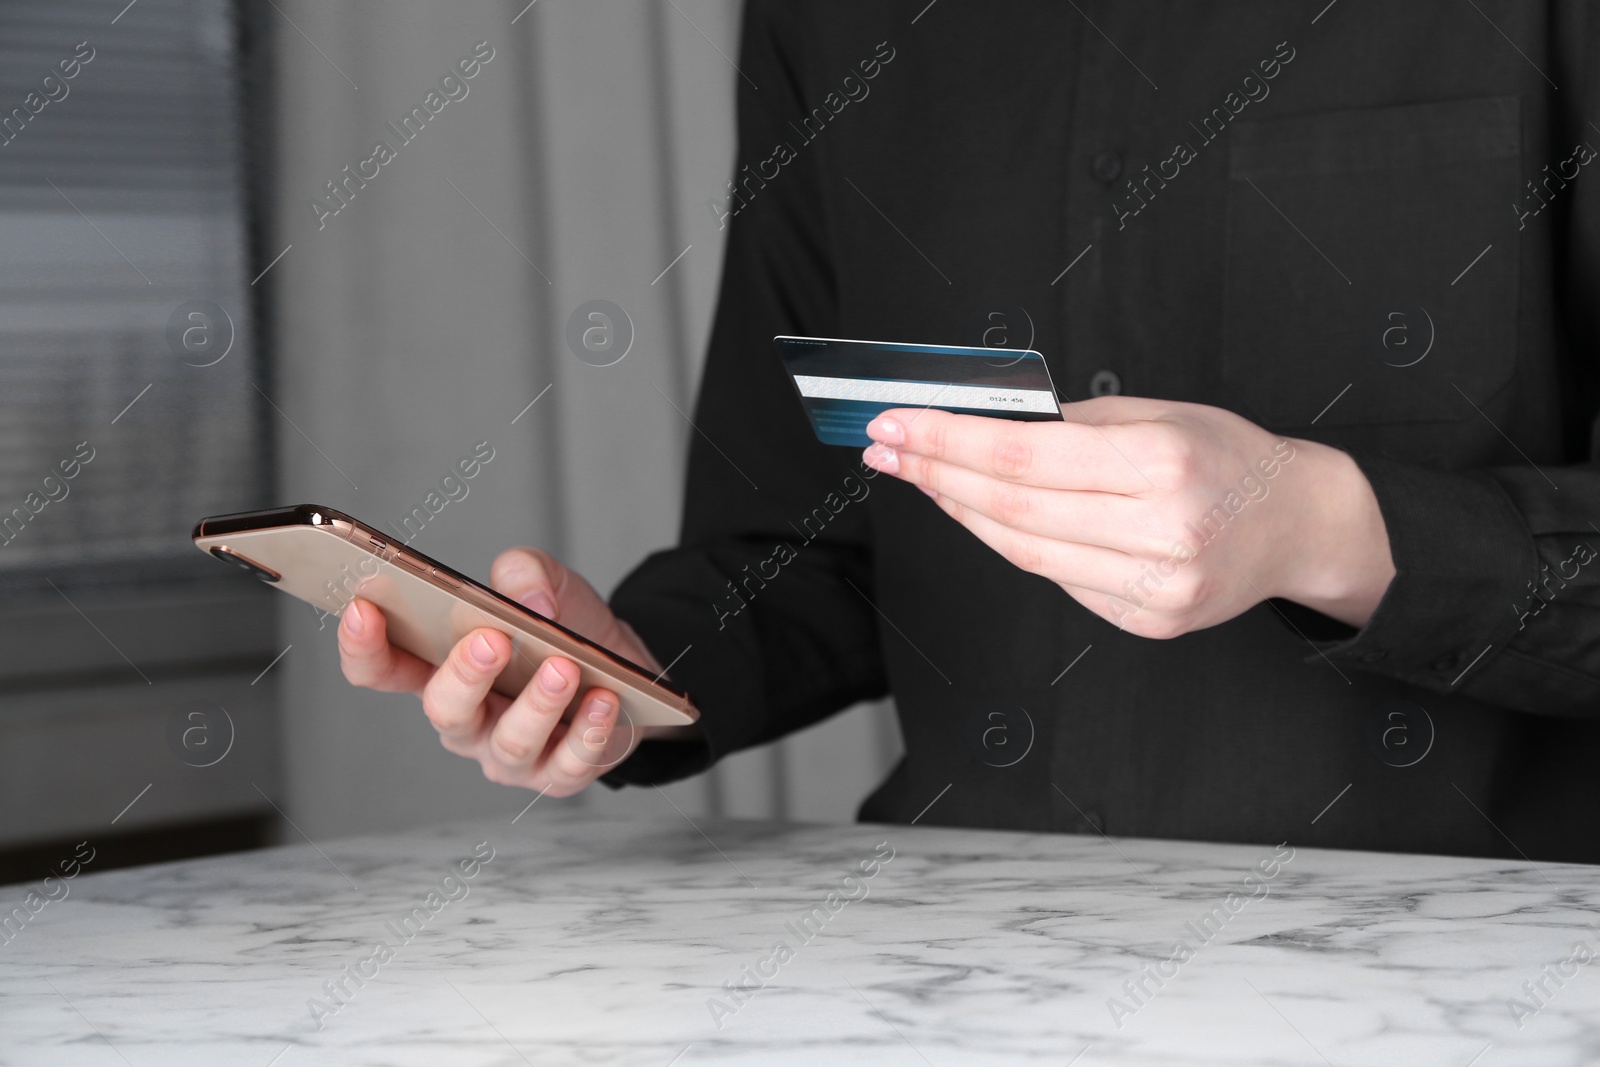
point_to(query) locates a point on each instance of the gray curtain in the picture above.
(420, 311)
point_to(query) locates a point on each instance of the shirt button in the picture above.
(1106, 166)
(1104, 383)
(1447, 662)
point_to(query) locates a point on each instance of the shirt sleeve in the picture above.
(766, 625)
(1496, 594)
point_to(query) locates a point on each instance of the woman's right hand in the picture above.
(520, 742)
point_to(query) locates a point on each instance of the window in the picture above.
(130, 406)
(127, 352)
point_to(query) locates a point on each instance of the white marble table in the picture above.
(596, 942)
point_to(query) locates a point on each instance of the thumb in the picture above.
(1114, 408)
(530, 576)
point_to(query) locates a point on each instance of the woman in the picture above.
(1308, 557)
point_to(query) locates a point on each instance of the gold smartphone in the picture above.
(327, 559)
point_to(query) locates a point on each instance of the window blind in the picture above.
(128, 368)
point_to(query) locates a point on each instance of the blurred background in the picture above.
(209, 303)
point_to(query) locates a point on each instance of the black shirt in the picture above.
(1368, 224)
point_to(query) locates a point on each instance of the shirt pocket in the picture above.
(1350, 235)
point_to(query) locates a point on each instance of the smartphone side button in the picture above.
(410, 564)
(446, 579)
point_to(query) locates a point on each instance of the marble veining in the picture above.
(585, 940)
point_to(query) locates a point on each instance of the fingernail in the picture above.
(888, 431)
(540, 603)
(599, 712)
(882, 458)
(481, 651)
(550, 678)
(354, 624)
(931, 494)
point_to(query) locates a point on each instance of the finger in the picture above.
(1103, 570)
(454, 697)
(1110, 520)
(593, 743)
(1054, 455)
(367, 657)
(523, 732)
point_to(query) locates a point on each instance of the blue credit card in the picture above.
(843, 385)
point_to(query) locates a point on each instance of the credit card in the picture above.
(843, 385)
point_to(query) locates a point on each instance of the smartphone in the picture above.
(327, 559)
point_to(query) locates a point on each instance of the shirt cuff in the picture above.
(1462, 555)
(656, 600)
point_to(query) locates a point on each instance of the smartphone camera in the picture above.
(228, 555)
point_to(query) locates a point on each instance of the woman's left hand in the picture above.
(1160, 516)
